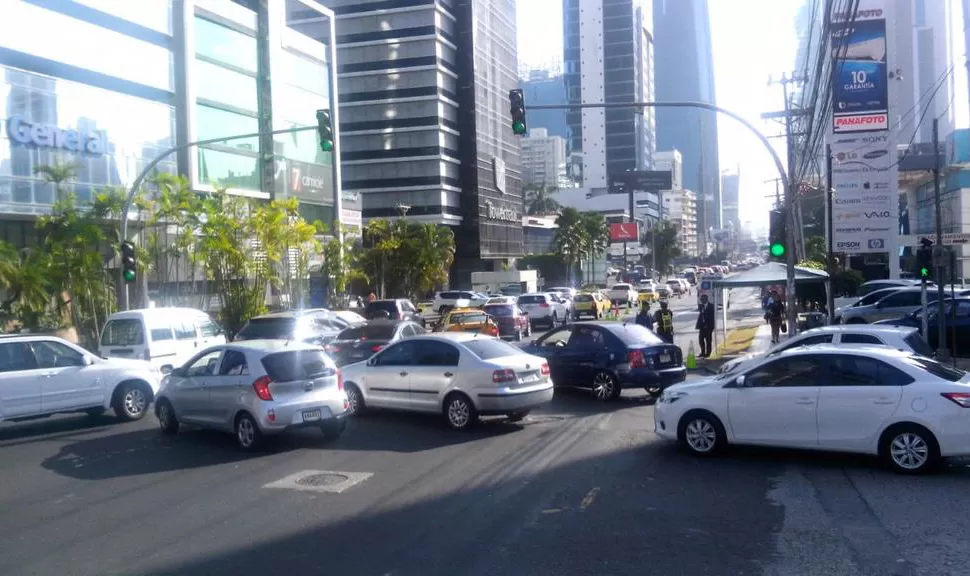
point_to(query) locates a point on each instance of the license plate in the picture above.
(529, 378)
(311, 415)
(664, 358)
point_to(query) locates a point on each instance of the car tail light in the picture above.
(636, 359)
(544, 305)
(261, 386)
(376, 348)
(960, 398)
(544, 369)
(503, 376)
(340, 379)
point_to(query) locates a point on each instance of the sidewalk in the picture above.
(762, 340)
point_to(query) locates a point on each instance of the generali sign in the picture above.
(40, 135)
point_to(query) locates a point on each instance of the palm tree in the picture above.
(25, 279)
(597, 232)
(539, 200)
(570, 238)
(435, 250)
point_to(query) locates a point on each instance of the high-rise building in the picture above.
(673, 161)
(608, 55)
(730, 187)
(543, 159)
(685, 71)
(541, 87)
(424, 116)
(680, 208)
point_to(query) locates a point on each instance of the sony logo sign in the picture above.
(29, 133)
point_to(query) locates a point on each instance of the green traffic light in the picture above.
(777, 250)
(129, 275)
(326, 146)
(518, 128)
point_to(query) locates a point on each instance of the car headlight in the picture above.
(671, 396)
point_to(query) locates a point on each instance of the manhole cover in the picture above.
(320, 481)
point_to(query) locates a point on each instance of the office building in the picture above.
(543, 87)
(685, 71)
(424, 117)
(608, 54)
(680, 208)
(543, 159)
(672, 161)
(730, 186)
(142, 77)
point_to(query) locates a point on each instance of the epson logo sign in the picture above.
(25, 132)
(848, 245)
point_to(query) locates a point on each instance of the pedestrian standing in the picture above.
(664, 320)
(705, 327)
(644, 318)
(774, 315)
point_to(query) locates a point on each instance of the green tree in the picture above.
(25, 280)
(539, 200)
(570, 239)
(340, 261)
(429, 250)
(381, 243)
(597, 238)
(661, 241)
(815, 249)
(171, 240)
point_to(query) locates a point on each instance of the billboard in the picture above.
(641, 181)
(306, 181)
(860, 89)
(865, 201)
(625, 232)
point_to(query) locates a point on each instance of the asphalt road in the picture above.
(579, 488)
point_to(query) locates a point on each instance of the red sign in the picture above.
(862, 122)
(624, 232)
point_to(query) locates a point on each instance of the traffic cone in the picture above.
(691, 362)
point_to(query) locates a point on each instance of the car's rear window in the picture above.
(123, 332)
(278, 328)
(294, 365)
(916, 342)
(490, 348)
(937, 369)
(369, 332)
(635, 335)
(467, 318)
(621, 287)
(386, 305)
(584, 298)
(535, 299)
(499, 309)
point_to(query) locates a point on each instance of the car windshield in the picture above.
(490, 348)
(369, 332)
(499, 310)
(272, 328)
(584, 298)
(535, 299)
(467, 318)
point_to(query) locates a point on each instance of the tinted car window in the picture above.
(276, 328)
(122, 332)
(583, 298)
(634, 334)
(499, 310)
(16, 356)
(861, 371)
(807, 341)
(916, 342)
(876, 296)
(369, 332)
(233, 364)
(537, 299)
(400, 354)
(468, 318)
(901, 299)
(295, 365)
(861, 339)
(489, 348)
(937, 369)
(434, 353)
(389, 306)
(50, 354)
(786, 372)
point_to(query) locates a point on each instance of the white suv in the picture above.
(444, 301)
(44, 375)
(623, 293)
(544, 308)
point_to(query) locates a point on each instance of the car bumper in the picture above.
(274, 418)
(503, 401)
(647, 378)
(665, 421)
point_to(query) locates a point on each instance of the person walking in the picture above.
(644, 318)
(775, 315)
(664, 320)
(705, 327)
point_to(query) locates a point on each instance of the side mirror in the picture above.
(371, 361)
(166, 370)
(740, 381)
(87, 361)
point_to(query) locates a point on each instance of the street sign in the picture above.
(949, 239)
(624, 232)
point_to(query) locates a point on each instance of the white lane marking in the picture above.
(326, 481)
(589, 498)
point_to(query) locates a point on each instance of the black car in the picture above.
(306, 326)
(361, 342)
(396, 309)
(956, 324)
(608, 357)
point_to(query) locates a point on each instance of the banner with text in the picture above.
(860, 87)
(865, 201)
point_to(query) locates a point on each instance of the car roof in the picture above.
(860, 328)
(457, 337)
(270, 346)
(287, 314)
(31, 337)
(156, 312)
(857, 350)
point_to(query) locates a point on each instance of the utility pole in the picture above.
(829, 229)
(938, 249)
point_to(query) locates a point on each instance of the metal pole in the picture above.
(937, 264)
(926, 321)
(829, 201)
(792, 224)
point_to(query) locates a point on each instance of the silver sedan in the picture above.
(459, 375)
(255, 388)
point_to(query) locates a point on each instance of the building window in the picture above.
(222, 85)
(222, 44)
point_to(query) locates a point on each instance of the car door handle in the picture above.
(448, 374)
(805, 401)
(404, 373)
(883, 401)
(47, 374)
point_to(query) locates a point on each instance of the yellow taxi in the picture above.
(590, 304)
(647, 293)
(469, 320)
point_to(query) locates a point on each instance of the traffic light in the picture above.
(517, 109)
(924, 260)
(129, 264)
(325, 130)
(778, 235)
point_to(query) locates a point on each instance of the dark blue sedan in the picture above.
(608, 357)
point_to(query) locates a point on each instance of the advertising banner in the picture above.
(625, 232)
(312, 182)
(641, 181)
(865, 201)
(860, 90)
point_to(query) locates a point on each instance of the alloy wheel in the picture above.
(604, 386)
(909, 451)
(246, 432)
(700, 435)
(135, 402)
(459, 413)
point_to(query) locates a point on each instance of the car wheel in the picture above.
(605, 386)
(248, 435)
(334, 428)
(701, 433)
(460, 412)
(355, 400)
(167, 421)
(518, 416)
(910, 449)
(131, 401)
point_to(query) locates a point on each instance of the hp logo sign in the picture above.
(877, 244)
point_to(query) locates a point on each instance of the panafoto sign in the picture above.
(40, 135)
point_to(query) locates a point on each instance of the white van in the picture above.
(166, 337)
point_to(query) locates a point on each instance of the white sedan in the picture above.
(459, 375)
(910, 410)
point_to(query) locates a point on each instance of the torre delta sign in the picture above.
(40, 135)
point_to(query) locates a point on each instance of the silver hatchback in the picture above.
(255, 388)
